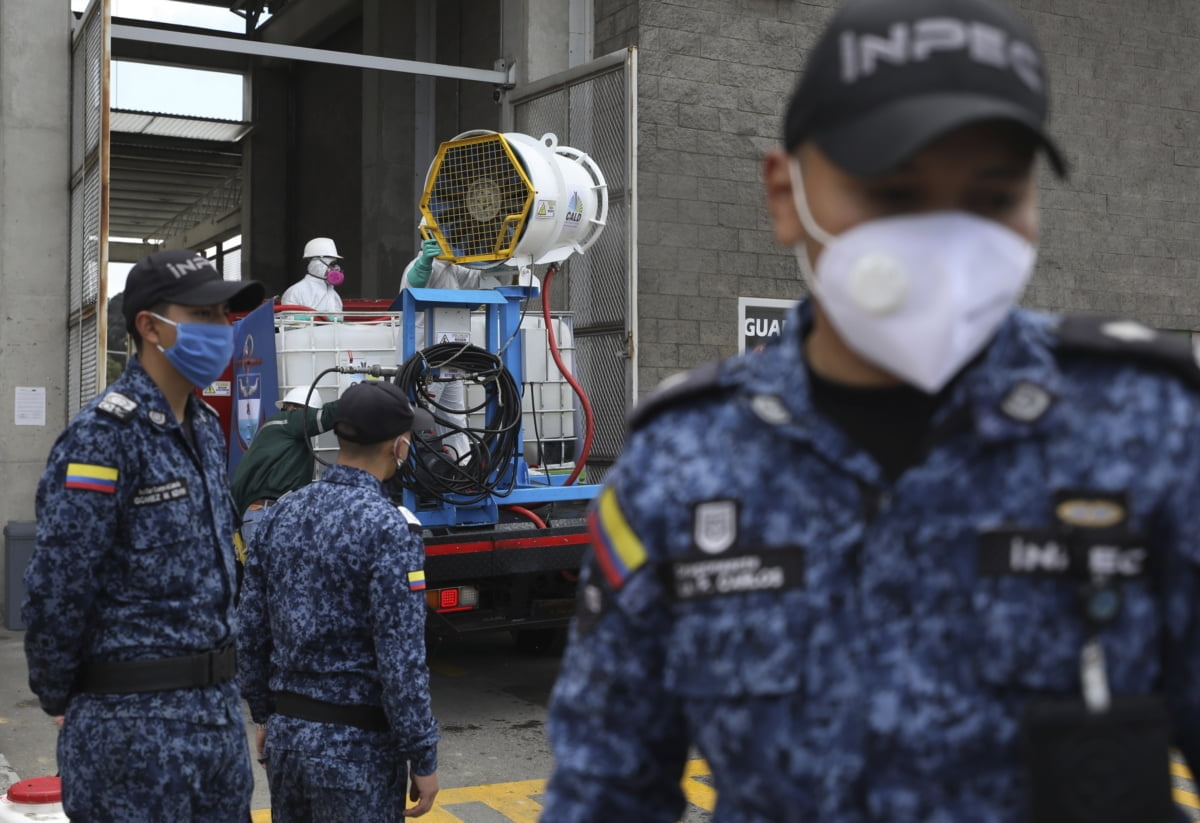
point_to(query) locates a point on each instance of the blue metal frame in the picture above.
(502, 308)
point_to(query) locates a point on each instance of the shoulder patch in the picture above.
(416, 581)
(1114, 337)
(90, 477)
(677, 389)
(117, 406)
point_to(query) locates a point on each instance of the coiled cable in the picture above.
(488, 467)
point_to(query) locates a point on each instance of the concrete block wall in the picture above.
(34, 206)
(1121, 236)
(713, 77)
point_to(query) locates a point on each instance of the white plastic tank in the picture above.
(305, 347)
(548, 404)
(36, 798)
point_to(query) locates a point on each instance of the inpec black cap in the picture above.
(372, 411)
(889, 76)
(183, 277)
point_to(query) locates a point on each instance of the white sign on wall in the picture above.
(760, 319)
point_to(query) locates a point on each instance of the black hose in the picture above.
(489, 467)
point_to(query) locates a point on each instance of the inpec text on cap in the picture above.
(187, 266)
(917, 41)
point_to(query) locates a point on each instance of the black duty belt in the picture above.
(369, 718)
(134, 676)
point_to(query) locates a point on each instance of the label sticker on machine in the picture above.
(574, 216)
(454, 337)
(219, 388)
(545, 209)
(772, 570)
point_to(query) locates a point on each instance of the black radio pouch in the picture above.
(1099, 767)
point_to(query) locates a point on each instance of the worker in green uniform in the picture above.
(279, 459)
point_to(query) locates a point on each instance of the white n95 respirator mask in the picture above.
(916, 295)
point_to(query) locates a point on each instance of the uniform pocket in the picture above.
(736, 645)
(162, 558)
(1029, 633)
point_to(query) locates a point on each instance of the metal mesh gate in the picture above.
(593, 108)
(89, 206)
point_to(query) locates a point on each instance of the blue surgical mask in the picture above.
(201, 351)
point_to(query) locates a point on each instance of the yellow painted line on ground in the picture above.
(515, 800)
(1186, 798)
(699, 794)
(1181, 770)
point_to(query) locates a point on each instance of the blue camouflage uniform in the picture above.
(135, 561)
(843, 649)
(334, 610)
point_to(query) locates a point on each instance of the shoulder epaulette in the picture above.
(676, 389)
(1114, 337)
(414, 524)
(117, 406)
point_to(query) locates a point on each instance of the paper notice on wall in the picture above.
(30, 406)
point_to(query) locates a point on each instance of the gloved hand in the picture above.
(418, 275)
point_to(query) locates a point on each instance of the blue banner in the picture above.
(255, 382)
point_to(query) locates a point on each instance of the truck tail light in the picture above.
(453, 599)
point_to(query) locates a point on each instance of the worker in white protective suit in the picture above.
(322, 273)
(427, 271)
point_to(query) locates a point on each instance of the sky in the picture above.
(169, 89)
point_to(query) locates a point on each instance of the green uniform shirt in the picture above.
(278, 459)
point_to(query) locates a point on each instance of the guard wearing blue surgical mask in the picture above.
(130, 607)
(952, 569)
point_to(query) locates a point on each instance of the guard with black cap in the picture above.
(334, 670)
(130, 609)
(953, 570)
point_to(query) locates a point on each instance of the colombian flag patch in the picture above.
(93, 478)
(618, 550)
(416, 581)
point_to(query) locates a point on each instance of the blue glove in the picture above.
(418, 275)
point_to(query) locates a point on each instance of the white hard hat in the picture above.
(320, 247)
(298, 395)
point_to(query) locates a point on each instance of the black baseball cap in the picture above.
(889, 76)
(372, 411)
(183, 277)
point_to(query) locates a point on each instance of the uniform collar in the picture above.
(137, 385)
(1008, 392)
(351, 476)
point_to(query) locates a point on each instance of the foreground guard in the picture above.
(949, 572)
(131, 585)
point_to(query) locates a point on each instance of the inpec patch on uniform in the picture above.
(160, 492)
(617, 548)
(1048, 553)
(91, 477)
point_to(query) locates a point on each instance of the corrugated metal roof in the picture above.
(177, 125)
(160, 186)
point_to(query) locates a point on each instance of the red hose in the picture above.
(562, 367)
(524, 512)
